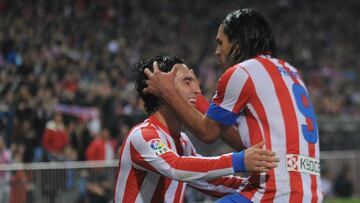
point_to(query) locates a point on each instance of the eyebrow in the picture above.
(188, 78)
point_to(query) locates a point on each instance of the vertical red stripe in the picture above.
(291, 125)
(270, 185)
(246, 91)
(120, 155)
(118, 172)
(133, 185)
(160, 191)
(255, 137)
(311, 146)
(314, 197)
(222, 84)
(178, 195)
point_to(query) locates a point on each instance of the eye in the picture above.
(219, 42)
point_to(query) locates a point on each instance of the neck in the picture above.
(169, 120)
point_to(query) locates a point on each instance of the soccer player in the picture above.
(267, 99)
(157, 160)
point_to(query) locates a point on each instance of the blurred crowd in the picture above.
(60, 61)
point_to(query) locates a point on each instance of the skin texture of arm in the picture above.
(230, 136)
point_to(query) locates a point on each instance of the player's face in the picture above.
(187, 84)
(223, 46)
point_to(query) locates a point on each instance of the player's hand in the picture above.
(258, 159)
(159, 82)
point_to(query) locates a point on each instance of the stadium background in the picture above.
(75, 57)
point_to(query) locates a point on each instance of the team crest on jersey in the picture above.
(158, 147)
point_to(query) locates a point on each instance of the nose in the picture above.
(217, 51)
(196, 89)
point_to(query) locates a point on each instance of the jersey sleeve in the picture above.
(150, 152)
(233, 91)
(218, 187)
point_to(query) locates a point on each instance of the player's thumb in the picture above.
(260, 145)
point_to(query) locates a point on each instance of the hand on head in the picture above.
(158, 82)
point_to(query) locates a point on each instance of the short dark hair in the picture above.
(166, 63)
(250, 35)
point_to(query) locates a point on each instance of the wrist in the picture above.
(238, 161)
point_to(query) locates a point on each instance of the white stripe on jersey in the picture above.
(303, 144)
(148, 187)
(267, 94)
(233, 88)
(243, 129)
(169, 196)
(125, 169)
(271, 104)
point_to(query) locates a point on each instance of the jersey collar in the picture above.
(157, 123)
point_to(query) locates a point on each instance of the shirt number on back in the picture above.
(309, 130)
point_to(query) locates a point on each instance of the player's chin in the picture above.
(221, 62)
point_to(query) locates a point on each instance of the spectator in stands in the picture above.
(18, 182)
(55, 138)
(79, 137)
(102, 148)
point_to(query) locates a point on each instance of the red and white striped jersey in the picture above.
(156, 165)
(267, 99)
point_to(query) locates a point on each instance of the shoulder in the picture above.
(145, 131)
(238, 70)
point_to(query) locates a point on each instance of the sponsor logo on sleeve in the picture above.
(303, 164)
(158, 147)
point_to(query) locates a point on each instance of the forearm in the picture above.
(231, 137)
(202, 127)
(190, 168)
(218, 187)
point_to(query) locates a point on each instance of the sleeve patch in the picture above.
(158, 147)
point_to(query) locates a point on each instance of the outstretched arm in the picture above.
(150, 153)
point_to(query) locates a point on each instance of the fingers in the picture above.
(259, 145)
(265, 152)
(148, 72)
(175, 69)
(260, 160)
(156, 66)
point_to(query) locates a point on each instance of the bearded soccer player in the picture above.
(267, 99)
(157, 160)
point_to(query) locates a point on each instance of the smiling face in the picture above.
(223, 47)
(187, 84)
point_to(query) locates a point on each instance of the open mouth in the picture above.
(192, 101)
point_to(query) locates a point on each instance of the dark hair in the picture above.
(166, 63)
(250, 35)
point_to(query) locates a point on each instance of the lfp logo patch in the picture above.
(158, 147)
